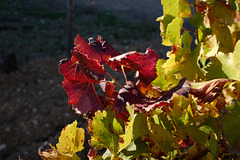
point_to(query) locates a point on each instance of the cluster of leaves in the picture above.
(185, 107)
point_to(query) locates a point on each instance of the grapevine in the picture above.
(183, 107)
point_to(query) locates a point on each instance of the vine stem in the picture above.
(186, 150)
(189, 30)
(124, 74)
(114, 80)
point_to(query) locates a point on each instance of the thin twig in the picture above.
(189, 30)
(187, 150)
(114, 80)
(124, 74)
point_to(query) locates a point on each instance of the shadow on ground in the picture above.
(33, 104)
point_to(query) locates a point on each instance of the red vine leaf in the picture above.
(144, 63)
(81, 68)
(83, 47)
(97, 49)
(103, 48)
(107, 47)
(110, 94)
(82, 96)
(131, 94)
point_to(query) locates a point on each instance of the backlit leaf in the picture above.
(214, 69)
(107, 47)
(81, 68)
(110, 94)
(166, 73)
(224, 38)
(221, 13)
(190, 67)
(171, 71)
(144, 63)
(71, 139)
(70, 142)
(104, 49)
(228, 64)
(220, 16)
(179, 113)
(164, 21)
(176, 8)
(186, 41)
(105, 129)
(84, 48)
(136, 128)
(97, 46)
(173, 31)
(134, 149)
(82, 96)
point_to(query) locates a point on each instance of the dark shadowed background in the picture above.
(33, 38)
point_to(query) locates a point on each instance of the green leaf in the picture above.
(173, 31)
(131, 111)
(190, 67)
(213, 51)
(225, 65)
(165, 74)
(164, 21)
(195, 133)
(213, 147)
(220, 13)
(134, 150)
(206, 129)
(186, 41)
(166, 124)
(220, 17)
(136, 128)
(179, 113)
(170, 71)
(105, 129)
(176, 8)
(214, 69)
(224, 38)
(231, 63)
(211, 122)
(117, 127)
(196, 20)
(230, 124)
(162, 139)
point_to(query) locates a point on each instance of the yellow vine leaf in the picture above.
(70, 142)
(71, 139)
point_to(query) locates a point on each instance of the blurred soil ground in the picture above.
(33, 104)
